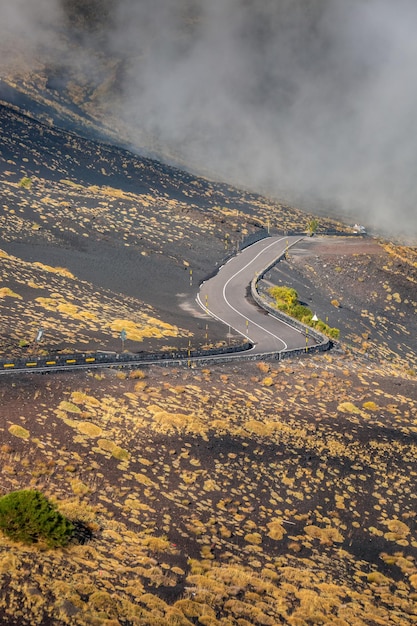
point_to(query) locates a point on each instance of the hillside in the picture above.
(130, 232)
(255, 494)
(264, 494)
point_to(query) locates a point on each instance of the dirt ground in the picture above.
(271, 493)
(125, 228)
(362, 286)
(264, 494)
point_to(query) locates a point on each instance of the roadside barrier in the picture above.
(95, 359)
(180, 357)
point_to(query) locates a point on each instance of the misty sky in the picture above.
(313, 101)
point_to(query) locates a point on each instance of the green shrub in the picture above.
(334, 333)
(25, 182)
(286, 300)
(312, 226)
(29, 517)
(284, 295)
(302, 313)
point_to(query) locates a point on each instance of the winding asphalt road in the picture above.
(225, 297)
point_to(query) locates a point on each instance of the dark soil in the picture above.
(252, 493)
(357, 286)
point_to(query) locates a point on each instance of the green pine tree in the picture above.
(28, 516)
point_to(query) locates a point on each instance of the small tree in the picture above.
(25, 182)
(312, 226)
(29, 517)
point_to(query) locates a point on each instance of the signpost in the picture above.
(123, 337)
(38, 339)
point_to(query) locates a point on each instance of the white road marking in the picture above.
(241, 314)
(251, 321)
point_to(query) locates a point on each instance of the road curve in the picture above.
(225, 297)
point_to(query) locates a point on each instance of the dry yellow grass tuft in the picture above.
(69, 407)
(398, 531)
(326, 535)
(79, 397)
(348, 407)
(88, 428)
(276, 529)
(61, 271)
(19, 431)
(151, 327)
(7, 292)
(137, 374)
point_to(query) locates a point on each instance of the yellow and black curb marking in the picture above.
(41, 363)
(113, 359)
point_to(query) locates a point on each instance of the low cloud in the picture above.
(311, 101)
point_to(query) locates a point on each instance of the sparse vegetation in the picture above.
(203, 483)
(264, 493)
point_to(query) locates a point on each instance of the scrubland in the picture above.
(255, 494)
(269, 493)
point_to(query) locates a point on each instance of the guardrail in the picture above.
(113, 359)
(96, 359)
